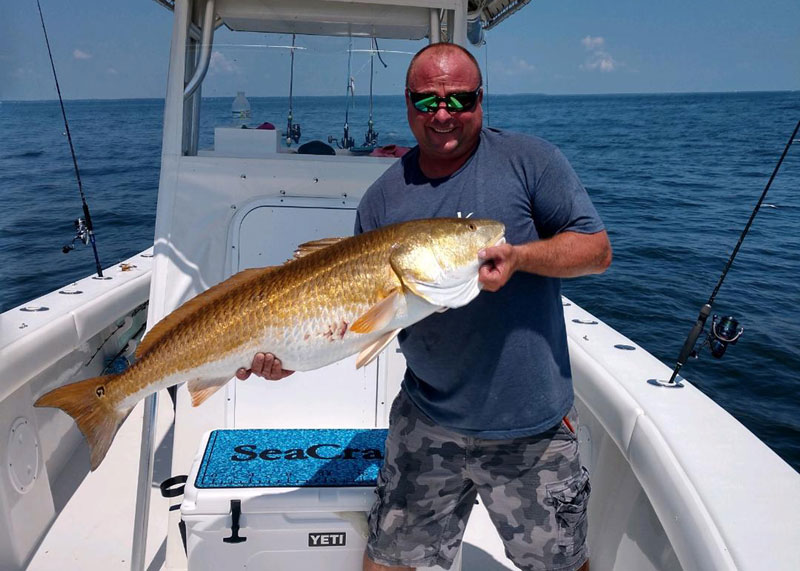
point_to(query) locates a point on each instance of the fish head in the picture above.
(440, 263)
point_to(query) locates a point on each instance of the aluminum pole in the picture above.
(205, 51)
(435, 35)
(143, 488)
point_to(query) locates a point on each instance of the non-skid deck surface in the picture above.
(279, 458)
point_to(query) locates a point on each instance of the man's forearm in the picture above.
(566, 255)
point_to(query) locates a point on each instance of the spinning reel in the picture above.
(371, 138)
(81, 233)
(292, 132)
(724, 331)
(345, 142)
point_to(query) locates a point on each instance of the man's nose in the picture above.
(442, 114)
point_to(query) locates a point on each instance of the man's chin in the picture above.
(443, 150)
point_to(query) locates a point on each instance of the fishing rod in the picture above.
(347, 141)
(371, 138)
(724, 331)
(84, 230)
(292, 130)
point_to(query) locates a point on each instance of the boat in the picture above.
(677, 482)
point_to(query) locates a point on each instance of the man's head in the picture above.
(446, 137)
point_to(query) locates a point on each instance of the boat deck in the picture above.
(94, 531)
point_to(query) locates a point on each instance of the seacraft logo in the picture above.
(327, 539)
(249, 452)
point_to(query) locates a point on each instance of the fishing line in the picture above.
(725, 330)
(88, 229)
(486, 67)
(378, 51)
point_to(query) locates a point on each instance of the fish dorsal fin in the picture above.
(315, 245)
(371, 351)
(163, 327)
(379, 315)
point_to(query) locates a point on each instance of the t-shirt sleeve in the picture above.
(560, 203)
(358, 228)
(369, 209)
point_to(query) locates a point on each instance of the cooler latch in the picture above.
(236, 513)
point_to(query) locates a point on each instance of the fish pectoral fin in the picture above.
(315, 245)
(371, 351)
(379, 315)
(201, 389)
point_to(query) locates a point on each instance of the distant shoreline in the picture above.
(490, 93)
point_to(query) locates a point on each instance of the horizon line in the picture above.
(535, 94)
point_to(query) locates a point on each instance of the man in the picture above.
(486, 407)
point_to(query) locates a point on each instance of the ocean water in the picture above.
(674, 176)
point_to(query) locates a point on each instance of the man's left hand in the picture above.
(498, 264)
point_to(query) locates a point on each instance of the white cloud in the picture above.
(521, 65)
(112, 71)
(516, 66)
(593, 43)
(598, 59)
(80, 54)
(220, 63)
(23, 72)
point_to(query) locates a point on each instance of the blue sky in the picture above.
(119, 49)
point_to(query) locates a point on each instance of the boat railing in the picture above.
(76, 332)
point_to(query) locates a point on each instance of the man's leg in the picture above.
(370, 565)
(423, 498)
(536, 493)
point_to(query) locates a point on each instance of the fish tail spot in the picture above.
(97, 419)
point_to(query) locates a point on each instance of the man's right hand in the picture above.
(264, 365)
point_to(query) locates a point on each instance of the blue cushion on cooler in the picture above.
(277, 458)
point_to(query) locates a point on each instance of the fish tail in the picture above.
(88, 405)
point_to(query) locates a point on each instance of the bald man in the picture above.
(486, 405)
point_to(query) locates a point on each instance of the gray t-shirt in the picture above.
(498, 367)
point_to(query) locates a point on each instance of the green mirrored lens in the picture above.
(427, 104)
(453, 104)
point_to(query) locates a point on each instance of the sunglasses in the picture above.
(453, 102)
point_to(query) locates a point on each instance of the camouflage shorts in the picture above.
(534, 489)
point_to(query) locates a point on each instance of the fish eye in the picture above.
(472, 226)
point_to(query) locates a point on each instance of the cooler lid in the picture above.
(297, 458)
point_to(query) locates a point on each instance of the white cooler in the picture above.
(281, 499)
